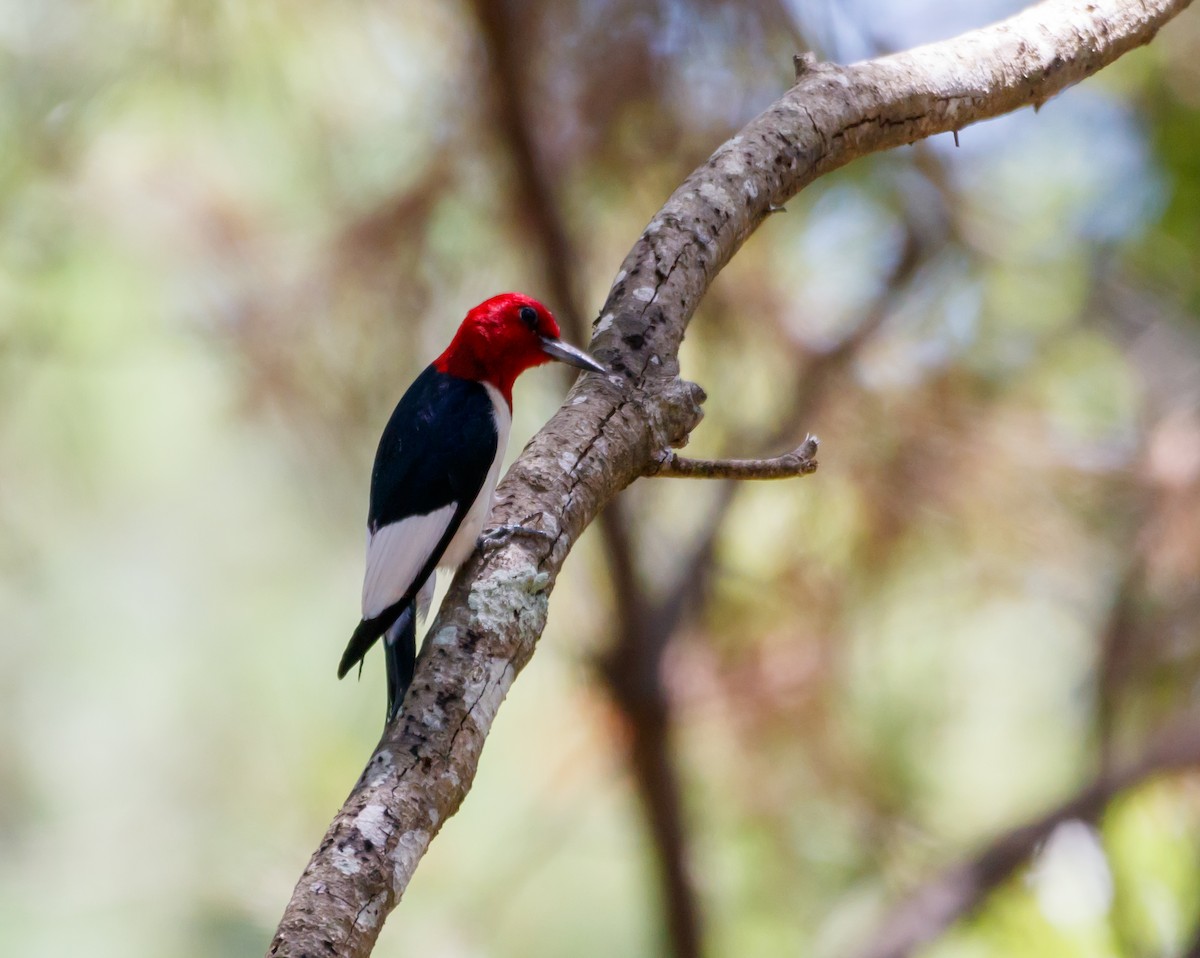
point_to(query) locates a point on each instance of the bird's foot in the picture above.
(498, 535)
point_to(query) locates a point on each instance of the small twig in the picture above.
(798, 462)
(804, 63)
(817, 379)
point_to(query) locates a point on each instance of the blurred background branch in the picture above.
(961, 888)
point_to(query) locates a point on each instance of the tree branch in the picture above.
(798, 462)
(612, 427)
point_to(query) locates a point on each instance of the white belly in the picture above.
(463, 543)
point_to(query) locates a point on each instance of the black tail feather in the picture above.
(365, 636)
(397, 625)
(400, 654)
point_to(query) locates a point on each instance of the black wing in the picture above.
(435, 454)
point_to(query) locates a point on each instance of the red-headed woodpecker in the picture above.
(436, 469)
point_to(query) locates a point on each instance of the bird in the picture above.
(436, 469)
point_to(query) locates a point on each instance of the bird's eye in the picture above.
(529, 316)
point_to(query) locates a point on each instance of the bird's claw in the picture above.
(495, 537)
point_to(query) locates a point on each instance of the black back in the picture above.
(437, 448)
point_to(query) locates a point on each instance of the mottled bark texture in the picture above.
(613, 429)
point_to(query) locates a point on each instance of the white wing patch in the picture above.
(397, 553)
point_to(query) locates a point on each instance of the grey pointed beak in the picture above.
(564, 353)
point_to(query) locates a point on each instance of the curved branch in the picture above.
(611, 427)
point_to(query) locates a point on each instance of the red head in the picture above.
(504, 336)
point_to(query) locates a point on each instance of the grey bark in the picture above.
(613, 429)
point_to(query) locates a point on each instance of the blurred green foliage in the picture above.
(229, 236)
